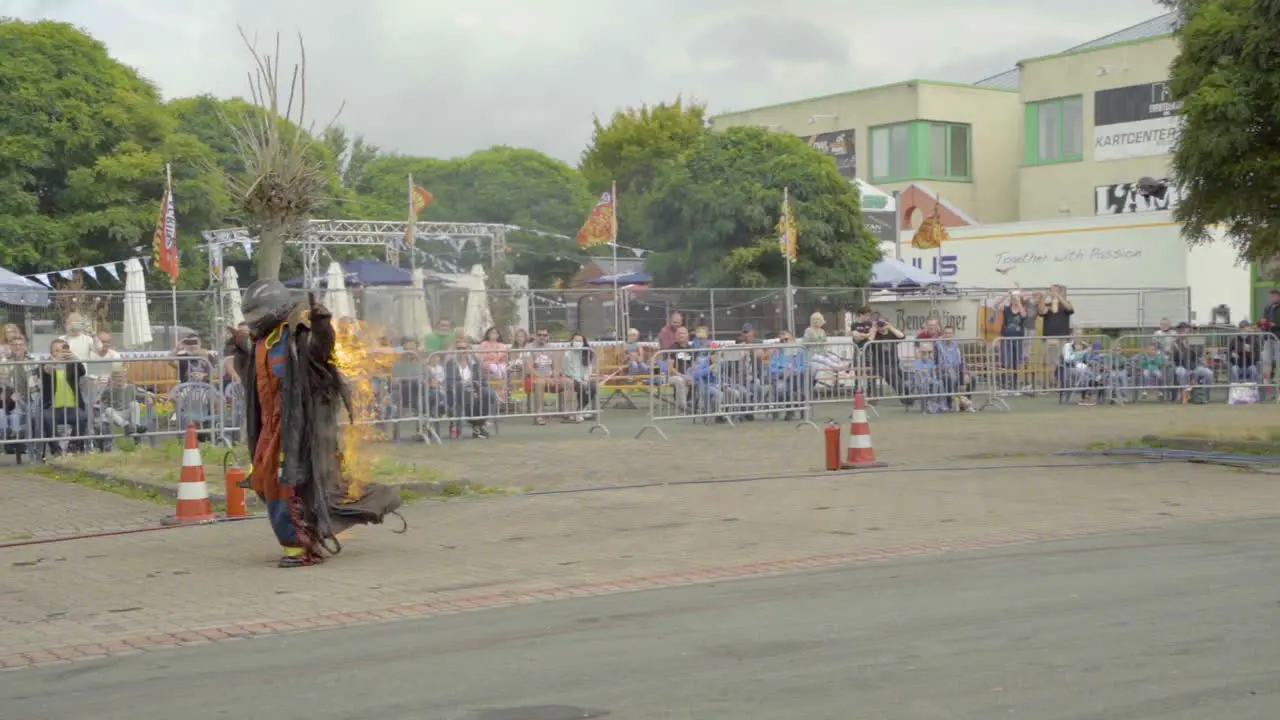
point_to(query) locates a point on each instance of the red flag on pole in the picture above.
(601, 226)
(165, 238)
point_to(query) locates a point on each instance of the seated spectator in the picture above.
(706, 375)
(406, 378)
(578, 369)
(542, 365)
(745, 373)
(957, 383)
(634, 355)
(1188, 359)
(788, 370)
(924, 380)
(1150, 367)
(123, 403)
(63, 403)
(932, 329)
(1244, 355)
(1075, 363)
(701, 338)
(677, 366)
(494, 354)
(815, 334)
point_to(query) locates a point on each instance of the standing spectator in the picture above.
(77, 336)
(441, 339)
(1013, 318)
(63, 403)
(18, 384)
(1243, 355)
(883, 352)
(1055, 318)
(667, 336)
(467, 395)
(1270, 322)
(863, 328)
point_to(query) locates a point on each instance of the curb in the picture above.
(225, 633)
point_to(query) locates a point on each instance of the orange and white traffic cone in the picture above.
(860, 453)
(194, 504)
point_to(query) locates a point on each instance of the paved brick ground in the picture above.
(65, 601)
(32, 506)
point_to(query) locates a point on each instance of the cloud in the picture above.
(444, 78)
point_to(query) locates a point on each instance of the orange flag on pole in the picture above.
(601, 226)
(165, 238)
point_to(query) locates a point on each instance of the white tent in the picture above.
(231, 296)
(337, 298)
(137, 319)
(477, 318)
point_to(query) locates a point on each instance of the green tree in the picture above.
(353, 154)
(83, 146)
(1227, 157)
(712, 217)
(633, 150)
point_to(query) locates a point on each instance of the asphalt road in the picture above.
(1176, 625)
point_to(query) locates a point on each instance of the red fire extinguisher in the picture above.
(831, 434)
(234, 476)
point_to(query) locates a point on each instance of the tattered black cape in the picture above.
(313, 397)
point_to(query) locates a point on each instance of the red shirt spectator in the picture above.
(667, 336)
(932, 329)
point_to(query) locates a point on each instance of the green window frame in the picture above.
(949, 153)
(890, 147)
(1055, 131)
(921, 150)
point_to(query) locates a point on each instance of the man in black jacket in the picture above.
(1188, 359)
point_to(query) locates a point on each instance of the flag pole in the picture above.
(409, 232)
(786, 252)
(173, 285)
(617, 303)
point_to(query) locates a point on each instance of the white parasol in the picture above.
(231, 296)
(478, 318)
(337, 298)
(414, 314)
(137, 319)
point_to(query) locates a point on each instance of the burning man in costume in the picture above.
(294, 394)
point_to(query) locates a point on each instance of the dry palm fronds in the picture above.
(282, 179)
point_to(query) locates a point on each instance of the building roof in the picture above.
(625, 266)
(1145, 30)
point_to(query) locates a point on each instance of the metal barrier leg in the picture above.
(655, 428)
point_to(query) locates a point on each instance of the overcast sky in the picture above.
(439, 78)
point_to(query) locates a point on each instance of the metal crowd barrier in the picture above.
(55, 406)
(481, 389)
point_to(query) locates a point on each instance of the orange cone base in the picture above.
(864, 465)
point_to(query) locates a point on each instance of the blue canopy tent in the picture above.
(895, 273)
(368, 272)
(17, 290)
(635, 278)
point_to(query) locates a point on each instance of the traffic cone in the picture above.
(860, 453)
(194, 504)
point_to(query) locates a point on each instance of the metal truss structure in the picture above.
(388, 234)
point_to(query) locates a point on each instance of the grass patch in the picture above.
(1266, 433)
(83, 479)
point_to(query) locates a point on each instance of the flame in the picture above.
(359, 365)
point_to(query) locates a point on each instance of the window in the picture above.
(890, 152)
(948, 151)
(1055, 131)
